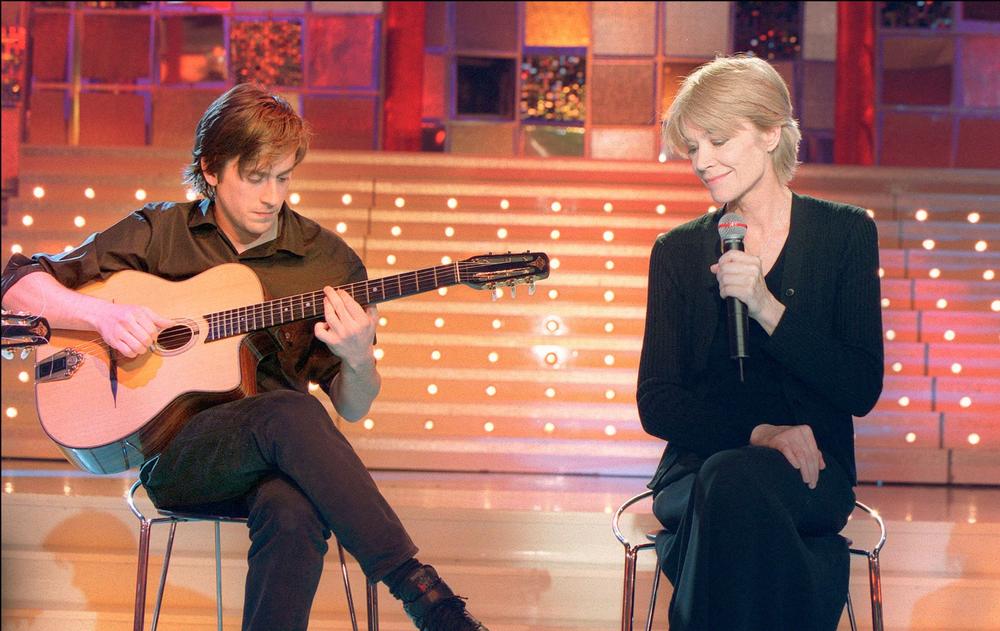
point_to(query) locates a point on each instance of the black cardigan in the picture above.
(829, 340)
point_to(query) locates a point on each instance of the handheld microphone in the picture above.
(732, 229)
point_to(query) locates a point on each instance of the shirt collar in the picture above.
(290, 237)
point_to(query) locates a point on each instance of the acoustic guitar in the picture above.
(108, 413)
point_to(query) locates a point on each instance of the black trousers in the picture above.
(750, 547)
(278, 459)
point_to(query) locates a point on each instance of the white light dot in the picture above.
(973, 217)
(382, 321)
(662, 157)
(550, 392)
(89, 193)
(609, 360)
(67, 248)
(395, 231)
(904, 401)
(553, 294)
(911, 437)
(341, 227)
(897, 366)
(885, 303)
(497, 324)
(368, 423)
(609, 327)
(973, 438)
(294, 199)
(661, 209)
(921, 215)
(449, 231)
(140, 194)
(712, 209)
(504, 204)
(981, 246)
(609, 296)
(493, 357)
(552, 325)
(609, 265)
(890, 335)
(313, 387)
(491, 391)
(79, 221)
(609, 236)
(391, 259)
(881, 272)
(438, 323)
(554, 234)
(346, 199)
(928, 244)
(399, 202)
(549, 428)
(432, 389)
(871, 213)
(502, 233)
(38, 192)
(27, 220)
(949, 335)
(956, 368)
(556, 207)
(435, 355)
(8, 488)
(941, 303)
(934, 273)
(610, 430)
(379, 353)
(17, 249)
(488, 427)
(609, 394)
(608, 207)
(11, 412)
(442, 291)
(445, 260)
(554, 263)
(989, 274)
(190, 195)
(23, 376)
(551, 358)
(994, 306)
(428, 424)
(965, 402)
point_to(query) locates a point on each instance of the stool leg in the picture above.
(218, 575)
(652, 598)
(347, 587)
(628, 590)
(850, 612)
(138, 621)
(163, 575)
(875, 584)
(372, 593)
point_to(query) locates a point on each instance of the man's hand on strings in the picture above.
(347, 328)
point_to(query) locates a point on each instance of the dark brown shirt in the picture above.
(178, 241)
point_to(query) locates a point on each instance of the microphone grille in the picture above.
(732, 226)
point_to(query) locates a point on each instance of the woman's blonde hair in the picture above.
(720, 92)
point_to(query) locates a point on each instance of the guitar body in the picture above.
(110, 414)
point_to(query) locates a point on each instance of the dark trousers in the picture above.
(750, 547)
(278, 459)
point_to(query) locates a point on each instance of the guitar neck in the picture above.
(242, 320)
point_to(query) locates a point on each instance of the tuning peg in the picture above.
(513, 291)
(531, 288)
(497, 293)
(25, 352)
(7, 353)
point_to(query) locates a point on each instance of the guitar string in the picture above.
(260, 308)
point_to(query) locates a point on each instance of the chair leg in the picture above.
(218, 575)
(347, 587)
(652, 597)
(628, 589)
(138, 621)
(875, 584)
(372, 593)
(163, 575)
(850, 612)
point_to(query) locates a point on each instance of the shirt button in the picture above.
(789, 292)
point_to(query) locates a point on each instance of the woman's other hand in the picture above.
(798, 445)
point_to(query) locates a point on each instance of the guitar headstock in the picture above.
(22, 331)
(495, 271)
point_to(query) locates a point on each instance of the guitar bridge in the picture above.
(60, 366)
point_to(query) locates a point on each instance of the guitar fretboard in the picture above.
(223, 324)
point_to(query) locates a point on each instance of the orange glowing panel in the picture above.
(341, 51)
(557, 24)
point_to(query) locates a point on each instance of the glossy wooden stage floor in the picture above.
(531, 552)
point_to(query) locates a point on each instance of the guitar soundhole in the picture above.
(174, 338)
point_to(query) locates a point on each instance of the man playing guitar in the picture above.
(273, 455)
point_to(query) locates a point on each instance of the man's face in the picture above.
(247, 205)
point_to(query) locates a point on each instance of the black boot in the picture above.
(432, 605)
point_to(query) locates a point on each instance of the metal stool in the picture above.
(173, 518)
(632, 551)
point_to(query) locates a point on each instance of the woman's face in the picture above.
(731, 166)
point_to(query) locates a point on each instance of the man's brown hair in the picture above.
(248, 123)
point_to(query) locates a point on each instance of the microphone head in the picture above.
(732, 227)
